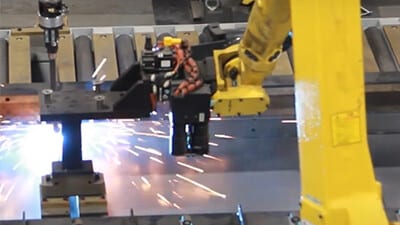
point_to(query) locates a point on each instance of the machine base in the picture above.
(54, 207)
(57, 187)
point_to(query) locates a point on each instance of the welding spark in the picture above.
(144, 179)
(156, 160)
(164, 199)
(122, 141)
(288, 121)
(9, 192)
(213, 144)
(156, 131)
(15, 167)
(103, 77)
(148, 150)
(205, 188)
(99, 67)
(1, 188)
(176, 206)
(4, 198)
(215, 118)
(177, 195)
(148, 134)
(191, 167)
(5, 122)
(134, 184)
(157, 123)
(124, 121)
(212, 157)
(223, 136)
(131, 151)
(141, 140)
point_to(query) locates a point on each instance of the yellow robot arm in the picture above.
(338, 184)
(241, 68)
(247, 2)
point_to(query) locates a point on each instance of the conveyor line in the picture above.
(80, 51)
(125, 52)
(83, 58)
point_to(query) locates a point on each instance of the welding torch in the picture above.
(51, 19)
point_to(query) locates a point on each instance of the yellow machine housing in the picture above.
(338, 185)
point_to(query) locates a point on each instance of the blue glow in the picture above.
(74, 208)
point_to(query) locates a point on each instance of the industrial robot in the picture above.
(338, 181)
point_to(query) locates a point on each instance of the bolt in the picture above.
(99, 101)
(47, 93)
(233, 74)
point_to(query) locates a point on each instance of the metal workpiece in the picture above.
(80, 105)
(189, 118)
(84, 60)
(178, 139)
(381, 51)
(125, 52)
(3, 61)
(199, 135)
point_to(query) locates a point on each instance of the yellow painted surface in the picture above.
(337, 178)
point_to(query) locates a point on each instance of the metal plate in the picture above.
(140, 174)
(369, 59)
(393, 34)
(191, 36)
(19, 58)
(66, 59)
(20, 107)
(104, 47)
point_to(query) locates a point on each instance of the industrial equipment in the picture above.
(340, 187)
(239, 87)
(51, 20)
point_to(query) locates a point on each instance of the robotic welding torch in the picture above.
(51, 19)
